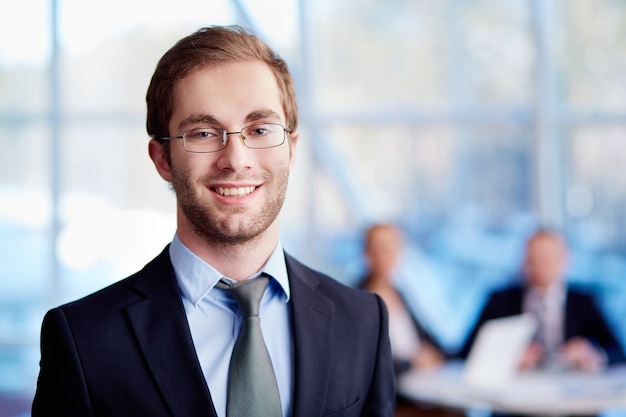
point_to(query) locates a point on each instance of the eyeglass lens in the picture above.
(257, 136)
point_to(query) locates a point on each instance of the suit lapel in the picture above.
(571, 316)
(313, 321)
(163, 335)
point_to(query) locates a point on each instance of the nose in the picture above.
(235, 156)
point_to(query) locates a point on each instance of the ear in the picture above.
(160, 159)
(293, 141)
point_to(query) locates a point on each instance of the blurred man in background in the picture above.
(572, 332)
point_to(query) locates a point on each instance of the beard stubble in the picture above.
(218, 228)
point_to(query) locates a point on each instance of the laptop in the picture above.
(498, 349)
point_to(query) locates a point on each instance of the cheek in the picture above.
(292, 154)
(274, 161)
(288, 158)
(194, 164)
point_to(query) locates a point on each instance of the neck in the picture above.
(236, 261)
(544, 289)
(379, 280)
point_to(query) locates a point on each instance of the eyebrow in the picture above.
(262, 114)
(209, 119)
(196, 119)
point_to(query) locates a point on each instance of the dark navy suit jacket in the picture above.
(127, 351)
(582, 318)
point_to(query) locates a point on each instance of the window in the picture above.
(466, 122)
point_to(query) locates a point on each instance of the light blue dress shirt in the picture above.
(214, 322)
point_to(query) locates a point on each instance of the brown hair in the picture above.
(212, 46)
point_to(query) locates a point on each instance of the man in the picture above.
(223, 121)
(572, 332)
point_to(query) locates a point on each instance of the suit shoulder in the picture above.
(314, 277)
(574, 290)
(342, 290)
(329, 286)
(580, 296)
(508, 290)
(114, 291)
(505, 294)
(124, 291)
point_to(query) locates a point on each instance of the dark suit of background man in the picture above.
(158, 343)
(573, 332)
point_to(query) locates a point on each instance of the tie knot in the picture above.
(248, 295)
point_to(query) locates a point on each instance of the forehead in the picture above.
(546, 242)
(383, 233)
(227, 92)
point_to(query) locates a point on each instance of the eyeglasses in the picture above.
(209, 139)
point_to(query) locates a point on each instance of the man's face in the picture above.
(383, 250)
(229, 96)
(546, 259)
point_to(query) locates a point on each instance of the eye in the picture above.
(202, 134)
(259, 130)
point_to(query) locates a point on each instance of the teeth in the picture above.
(235, 190)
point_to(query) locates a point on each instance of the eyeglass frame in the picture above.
(225, 135)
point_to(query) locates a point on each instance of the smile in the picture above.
(234, 191)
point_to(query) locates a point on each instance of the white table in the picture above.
(530, 393)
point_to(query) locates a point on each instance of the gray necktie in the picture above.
(252, 388)
(547, 335)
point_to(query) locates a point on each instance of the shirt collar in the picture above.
(196, 278)
(554, 294)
